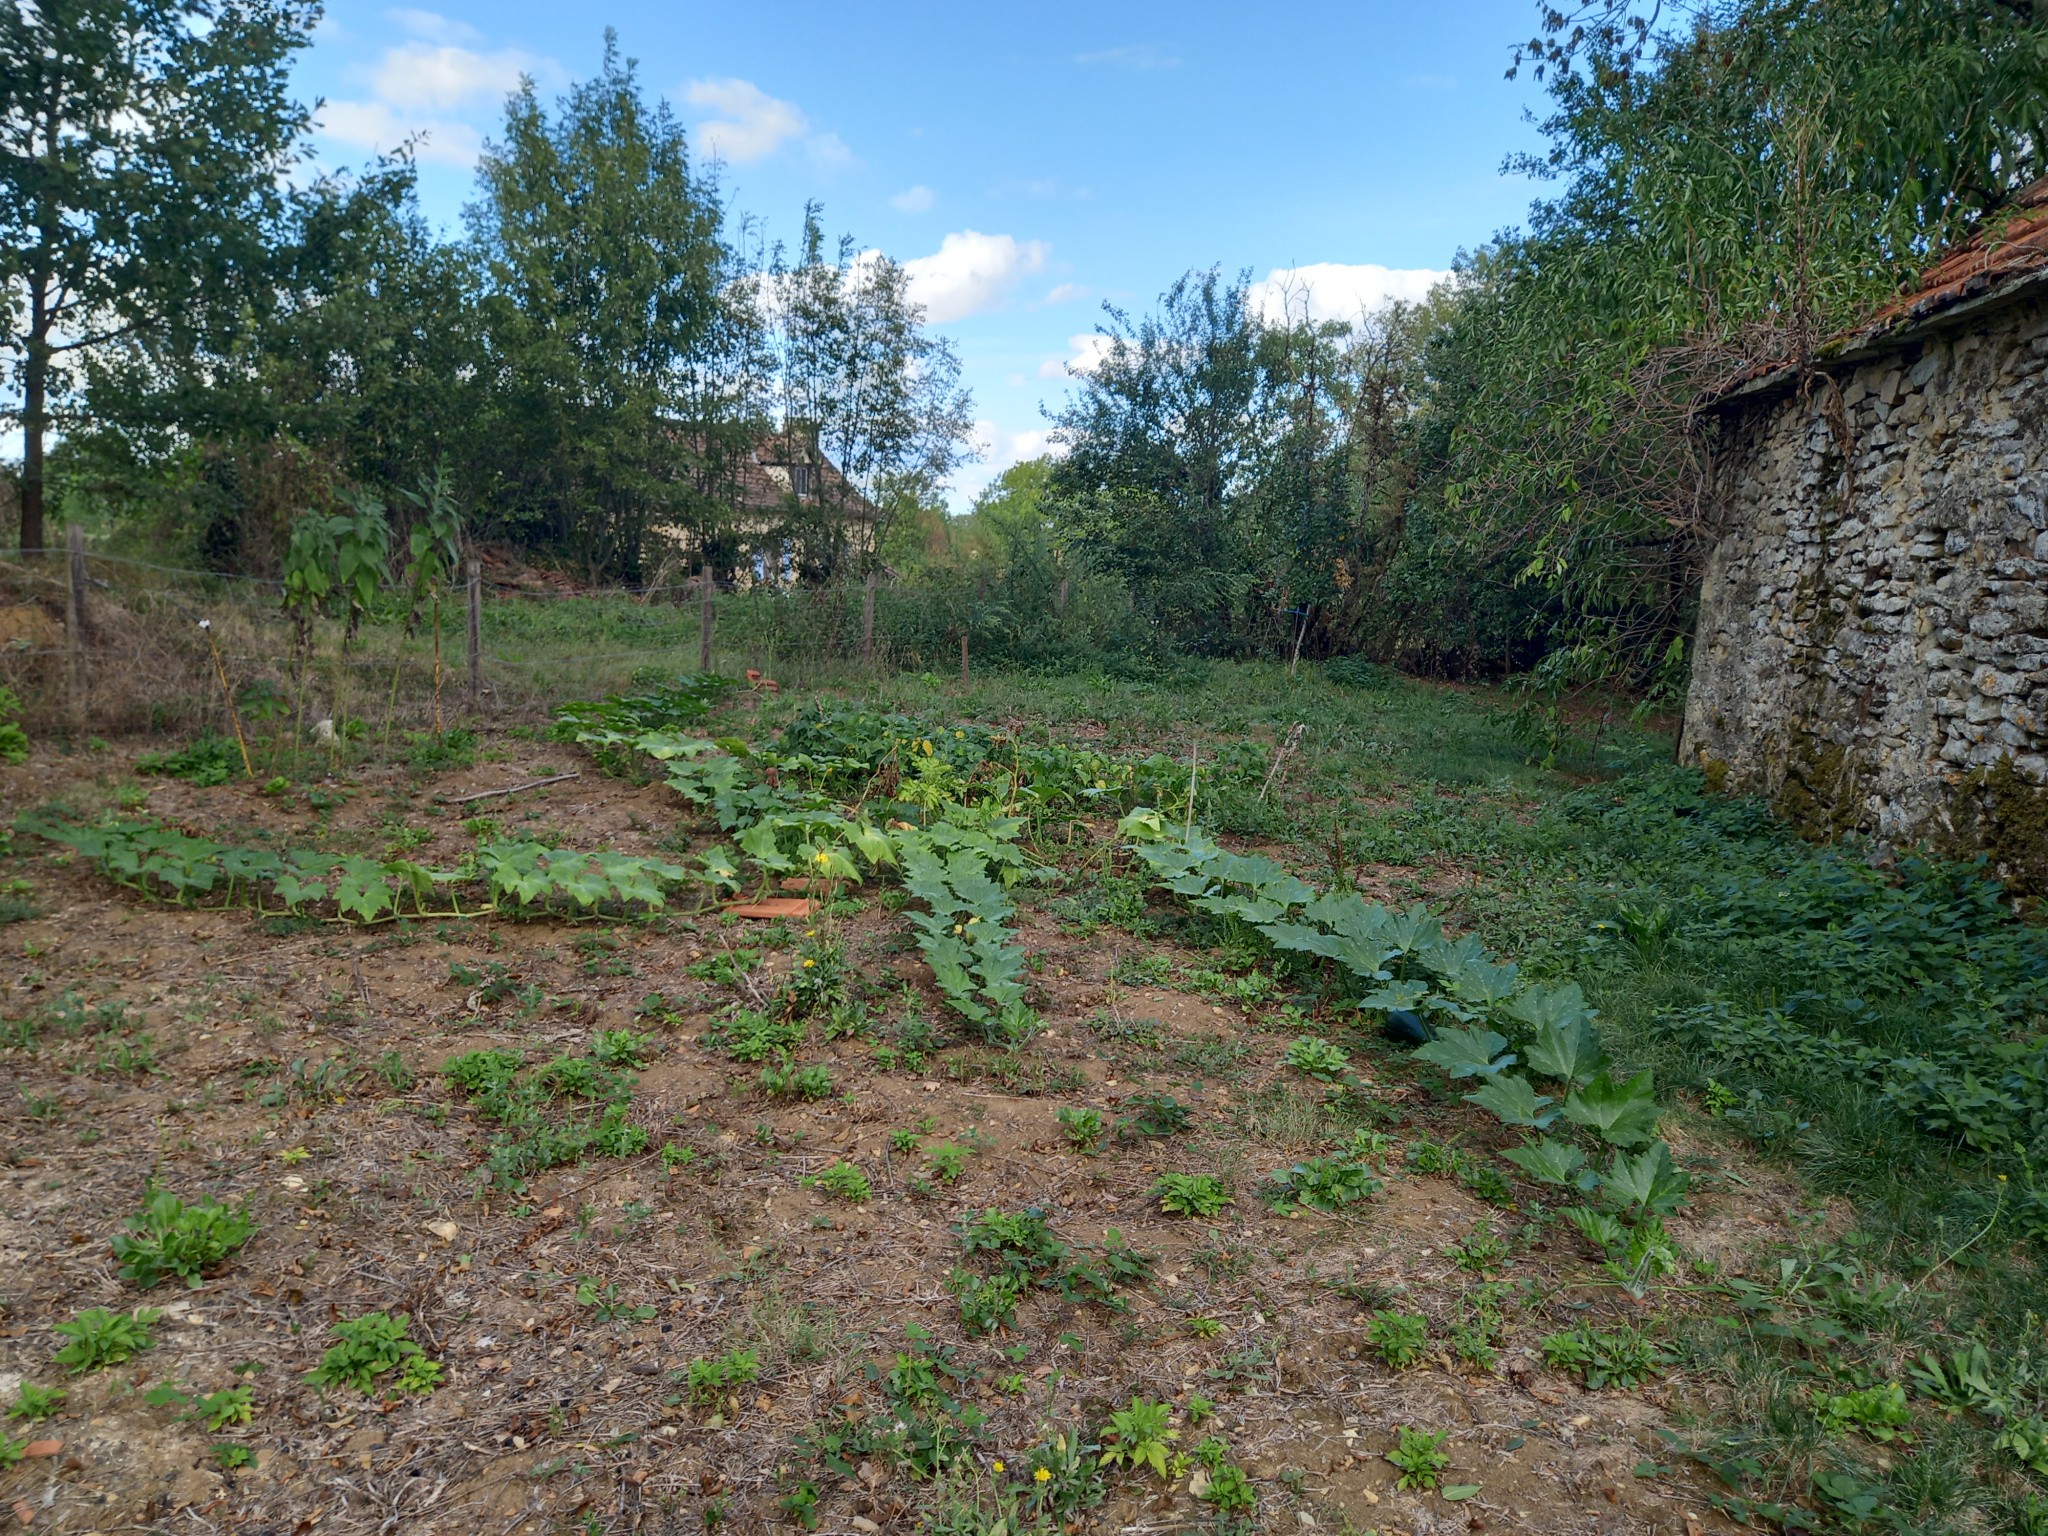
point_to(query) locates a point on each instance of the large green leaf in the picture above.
(363, 890)
(1544, 1007)
(1623, 1113)
(1552, 1162)
(1514, 1102)
(1475, 1052)
(1571, 1051)
(1647, 1182)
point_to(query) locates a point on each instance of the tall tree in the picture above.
(878, 394)
(142, 145)
(616, 321)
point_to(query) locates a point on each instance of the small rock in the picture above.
(447, 1231)
(863, 1523)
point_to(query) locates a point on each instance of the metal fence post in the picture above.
(74, 624)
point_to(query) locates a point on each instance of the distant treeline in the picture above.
(1508, 476)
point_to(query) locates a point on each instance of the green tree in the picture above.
(142, 149)
(867, 386)
(620, 332)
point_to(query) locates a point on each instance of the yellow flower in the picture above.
(998, 1466)
(824, 858)
(960, 735)
(972, 921)
(809, 963)
(1041, 1476)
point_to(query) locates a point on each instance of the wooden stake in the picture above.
(867, 623)
(704, 618)
(227, 696)
(74, 626)
(476, 636)
(963, 661)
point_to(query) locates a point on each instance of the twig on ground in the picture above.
(514, 789)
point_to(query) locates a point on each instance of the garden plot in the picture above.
(469, 1167)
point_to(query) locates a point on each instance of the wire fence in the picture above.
(97, 644)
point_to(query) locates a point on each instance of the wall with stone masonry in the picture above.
(1872, 651)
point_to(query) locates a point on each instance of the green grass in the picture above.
(1878, 1032)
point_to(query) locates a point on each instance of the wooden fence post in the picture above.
(74, 625)
(963, 657)
(867, 624)
(705, 616)
(476, 636)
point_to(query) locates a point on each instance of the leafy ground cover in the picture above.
(1055, 1170)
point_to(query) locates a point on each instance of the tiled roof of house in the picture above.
(2008, 253)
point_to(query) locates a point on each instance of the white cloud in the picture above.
(750, 124)
(1067, 293)
(427, 89)
(374, 126)
(435, 27)
(971, 272)
(914, 199)
(1332, 290)
(747, 124)
(1089, 350)
(1143, 57)
(423, 77)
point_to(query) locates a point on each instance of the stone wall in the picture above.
(1873, 637)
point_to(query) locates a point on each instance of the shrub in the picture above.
(168, 1237)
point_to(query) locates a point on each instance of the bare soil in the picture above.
(368, 1197)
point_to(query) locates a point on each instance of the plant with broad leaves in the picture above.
(1139, 1435)
(99, 1337)
(372, 1345)
(170, 1238)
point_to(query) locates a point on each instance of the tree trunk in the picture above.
(35, 389)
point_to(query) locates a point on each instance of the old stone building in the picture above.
(1872, 650)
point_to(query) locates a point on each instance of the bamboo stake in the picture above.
(227, 696)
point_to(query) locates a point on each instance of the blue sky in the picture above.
(1026, 162)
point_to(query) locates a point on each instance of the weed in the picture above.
(786, 1080)
(1401, 1339)
(1314, 1057)
(1083, 1128)
(947, 1162)
(370, 1346)
(1419, 1456)
(842, 1179)
(1153, 1114)
(99, 1337)
(987, 1302)
(1321, 1184)
(1604, 1357)
(168, 1237)
(1880, 1412)
(1191, 1194)
(34, 1403)
(1139, 1435)
(1204, 1327)
(904, 1139)
(623, 1048)
(232, 1458)
(1482, 1251)
(711, 1378)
